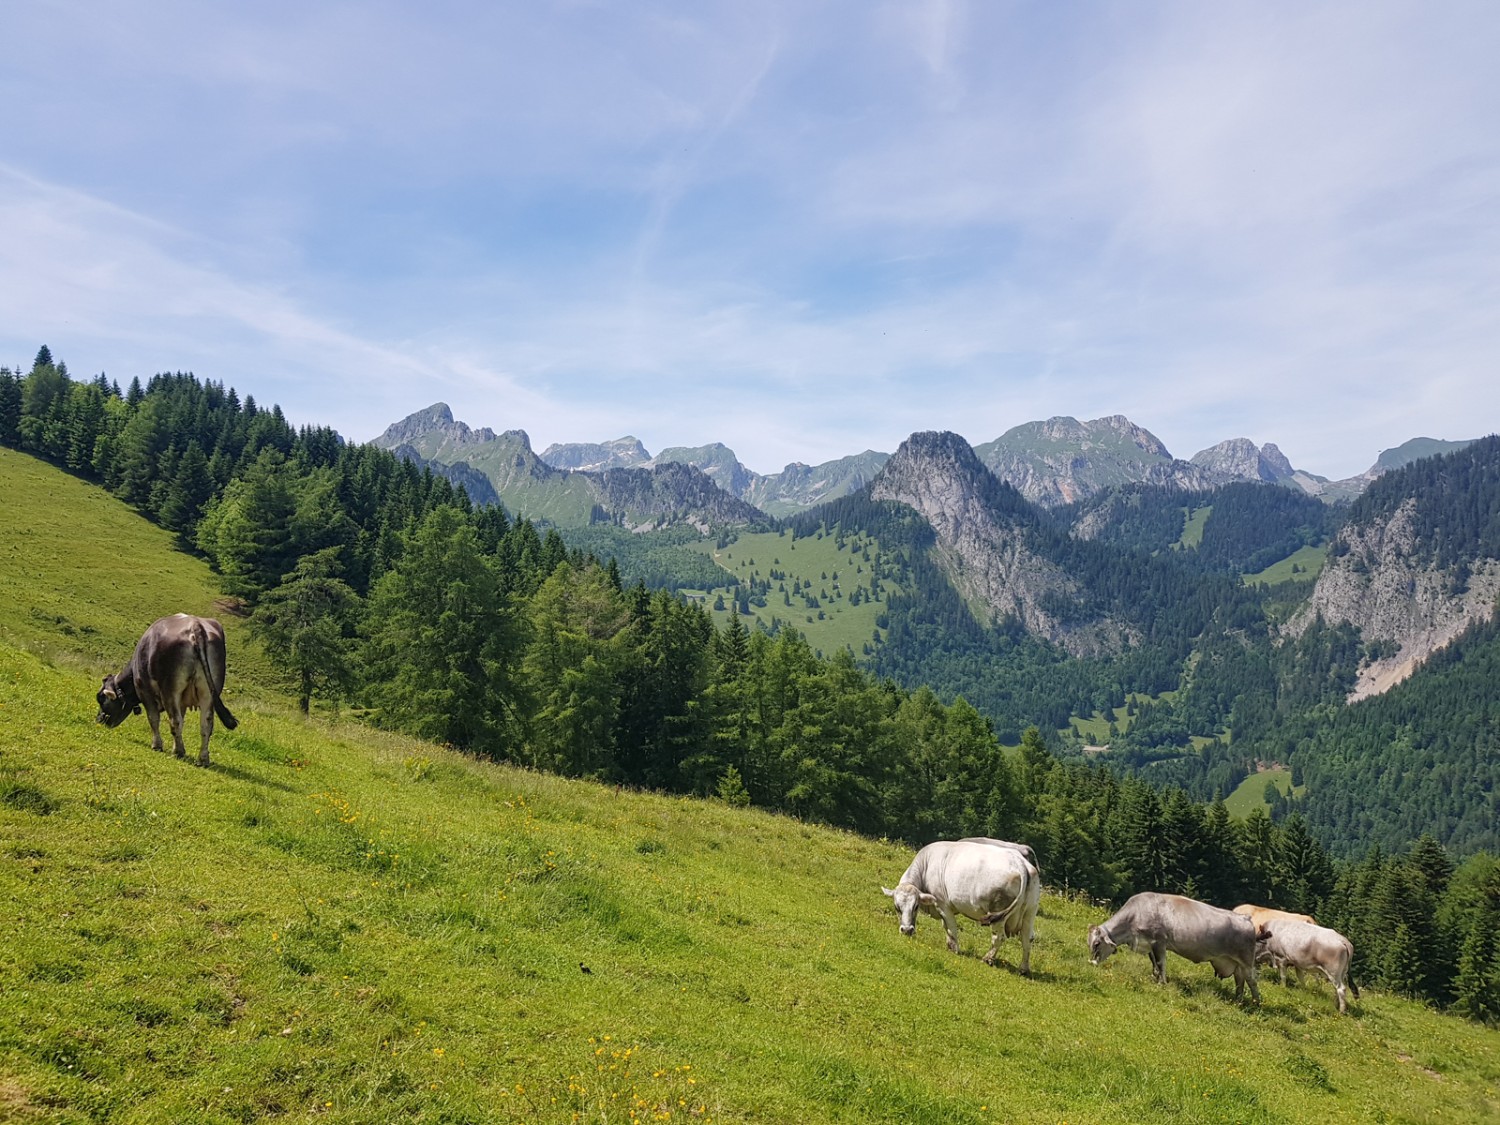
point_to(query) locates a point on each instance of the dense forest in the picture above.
(378, 585)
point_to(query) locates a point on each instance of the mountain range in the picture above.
(1056, 462)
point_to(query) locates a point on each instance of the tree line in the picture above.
(378, 585)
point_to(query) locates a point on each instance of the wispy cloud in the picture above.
(800, 229)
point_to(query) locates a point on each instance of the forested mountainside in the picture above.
(369, 580)
(1213, 682)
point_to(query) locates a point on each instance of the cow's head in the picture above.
(1100, 944)
(908, 901)
(117, 701)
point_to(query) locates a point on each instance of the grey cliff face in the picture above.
(1372, 580)
(717, 461)
(1240, 459)
(433, 433)
(984, 541)
(594, 457)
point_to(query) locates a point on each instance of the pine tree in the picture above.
(307, 626)
(1476, 986)
(441, 641)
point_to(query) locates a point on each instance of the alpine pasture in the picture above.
(337, 924)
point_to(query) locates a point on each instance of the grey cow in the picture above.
(178, 663)
(1158, 924)
(992, 885)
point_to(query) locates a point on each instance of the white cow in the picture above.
(1286, 941)
(995, 886)
(1024, 849)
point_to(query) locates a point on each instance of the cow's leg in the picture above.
(175, 717)
(1281, 968)
(950, 923)
(1026, 928)
(1339, 994)
(153, 716)
(1249, 975)
(1158, 964)
(206, 725)
(997, 932)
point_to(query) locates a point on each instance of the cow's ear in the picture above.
(107, 691)
(926, 899)
(888, 892)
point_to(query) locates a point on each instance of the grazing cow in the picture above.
(1158, 924)
(178, 663)
(1024, 849)
(1302, 945)
(1262, 914)
(994, 886)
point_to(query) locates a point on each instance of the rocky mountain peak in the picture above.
(623, 453)
(1240, 459)
(432, 428)
(988, 542)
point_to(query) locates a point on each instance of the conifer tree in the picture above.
(307, 626)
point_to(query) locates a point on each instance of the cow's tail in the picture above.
(200, 649)
(1019, 900)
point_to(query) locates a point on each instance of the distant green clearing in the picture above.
(814, 589)
(1250, 794)
(1192, 528)
(1305, 562)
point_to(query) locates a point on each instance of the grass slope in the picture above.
(814, 560)
(1250, 794)
(1308, 561)
(335, 924)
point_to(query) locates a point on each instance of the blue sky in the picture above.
(802, 229)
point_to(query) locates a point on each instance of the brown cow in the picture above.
(178, 663)
(1302, 945)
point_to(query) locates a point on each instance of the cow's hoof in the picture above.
(179, 753)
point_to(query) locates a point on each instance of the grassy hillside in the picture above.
(1250, 794)
(830, 567)
(336, 924)
(1303, 563)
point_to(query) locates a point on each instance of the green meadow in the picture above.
(339, 925)
(1250, 794)
(830, 568)
(1303, 563)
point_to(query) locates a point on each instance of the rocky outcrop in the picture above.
(716, 460)
(1374, 579)
(1063, 460)
(594, 457)
(1240, 459)
(433, 434)
(669, 495)
(987, 542)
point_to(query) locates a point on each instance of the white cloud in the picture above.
(799, 229)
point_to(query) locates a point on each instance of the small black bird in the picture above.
(585, 968)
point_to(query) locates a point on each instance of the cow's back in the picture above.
(175, 662)
(969, 875)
